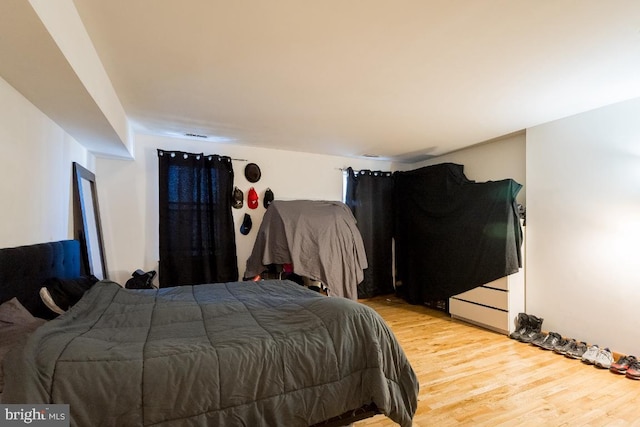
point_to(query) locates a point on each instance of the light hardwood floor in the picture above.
(471, 376)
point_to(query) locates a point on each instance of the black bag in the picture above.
(141, 280)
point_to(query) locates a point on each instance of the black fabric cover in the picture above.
(24, 269)
(370, 196)
(453, 234)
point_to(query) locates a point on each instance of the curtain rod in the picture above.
(219, 155)
(357, 171)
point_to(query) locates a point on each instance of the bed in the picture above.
(241, 353)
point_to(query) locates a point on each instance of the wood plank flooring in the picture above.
(476, 377)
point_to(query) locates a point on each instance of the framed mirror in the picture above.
(86, 220)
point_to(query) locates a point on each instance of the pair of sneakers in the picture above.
(627, 364)
(600, 357)
(633, 371)
(568, 347)
(576, 350)
(572, 348)
(552, 341)
(549, 341)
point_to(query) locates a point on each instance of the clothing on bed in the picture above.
(245, 353)
(60, 294)
(320, 239)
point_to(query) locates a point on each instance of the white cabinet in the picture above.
(494, 305)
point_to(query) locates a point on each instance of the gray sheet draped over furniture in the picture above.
(453, 234)
(320, 239)
(244, 353)
(369, 194)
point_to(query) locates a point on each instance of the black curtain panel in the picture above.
(197, 239)
(369, 194)
(453, 234)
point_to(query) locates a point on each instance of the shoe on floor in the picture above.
(557, 347)
(589, 356)
(623, 363)
(533, 328)
(568, 345)
(553, 340)
(539, 338)
(633, 371)
(522, 324)
(604, 359)
(577, 351)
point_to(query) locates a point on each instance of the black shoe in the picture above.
(522, 322)
(558, 346)
(553, 340)
(534, 325)
(568, 345)
(539, 338)
(577, 351)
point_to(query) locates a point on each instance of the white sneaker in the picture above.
(45, 295)
(590, 355)
(604, 359)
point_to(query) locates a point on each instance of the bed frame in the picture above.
(24, 269)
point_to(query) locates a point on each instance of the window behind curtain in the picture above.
(197, 239)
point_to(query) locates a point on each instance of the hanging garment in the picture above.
(453, 234)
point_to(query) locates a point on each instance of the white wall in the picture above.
(583, 225)
(35, 173)
(63, 22)
(128, 194)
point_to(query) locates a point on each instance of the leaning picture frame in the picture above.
(86, 220)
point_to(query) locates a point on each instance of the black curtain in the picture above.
(197, 239)
(369, 194)
(453, 234)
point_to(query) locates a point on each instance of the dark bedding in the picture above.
(246, 353)
(16, 323)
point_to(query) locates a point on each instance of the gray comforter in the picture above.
(268, 353)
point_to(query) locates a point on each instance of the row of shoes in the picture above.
(628, 366)
(528, 330)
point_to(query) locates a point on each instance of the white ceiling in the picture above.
(397, 79)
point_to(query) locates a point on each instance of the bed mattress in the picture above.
(242, 353)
